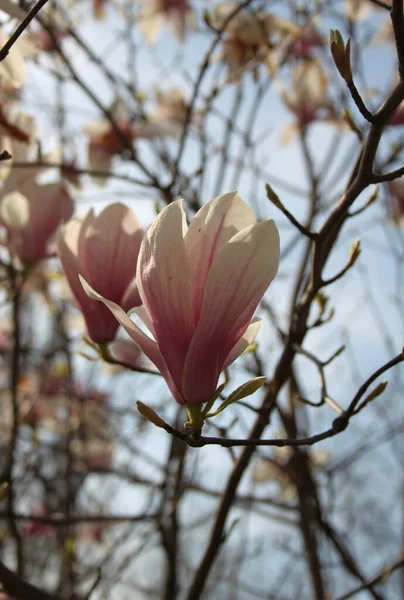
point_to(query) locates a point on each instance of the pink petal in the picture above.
(101, 324)
(211, 229)
(236, 283)
(49, 206)
(108, 250)
(164, 281)
(147, 345)
(247, 338)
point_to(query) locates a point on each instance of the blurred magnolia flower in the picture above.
(385, 34)
(98, 7)
(12, 69)
(276, 469)
(395, 200)
(17, 133)
(200, 286)
(31, 216)
(305, 40)
(17, 172)
(358, 10)
(93, 454)
(107, 139)
(37, 528)
(103, 249)
(307, 99)
(92, 533)
(170, 112)
(177, 14)
(250, 38)
(16, 127)
(57, 28)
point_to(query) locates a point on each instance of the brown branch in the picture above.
(357, 98)
(388, 176)
(19, 589)
(381, 577)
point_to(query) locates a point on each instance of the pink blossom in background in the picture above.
(251, 38)
(200, 286)
(177, 14)
(34, 528)
(107, 141)
(305, 41)
(104, 250)
(307, 99)
(31, 217)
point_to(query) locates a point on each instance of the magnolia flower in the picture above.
(107, 139)
(305, 40)
(358, 10)
(170, 112)
(103, 249)
(34, 528)
(200, 286)
(176, 13)
(94, 455)
(308, 96)
(277, 469)
(57, 28)
(250, 37)
(98, 8)
(31, 217)
(12, 69)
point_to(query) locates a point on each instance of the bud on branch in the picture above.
(341, 54)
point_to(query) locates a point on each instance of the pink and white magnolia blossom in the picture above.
(31, 217)
(104, 250)
(200, 286)
(251, 38)
(305, 40)
(308, 97)
(107, 139)
(177, 14)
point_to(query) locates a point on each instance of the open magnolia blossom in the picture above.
(358, 10)
(305, 40)
(108, 139)
(104, 250)
(12, 70)
(170, 112)
(16, 172)
(31, 217)
(98, 7)
(308, 97)
(251, 38)
(200, 286)
(177, 14)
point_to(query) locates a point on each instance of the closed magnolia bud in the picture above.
(341, 54)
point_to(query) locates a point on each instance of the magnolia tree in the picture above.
(201, 299)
